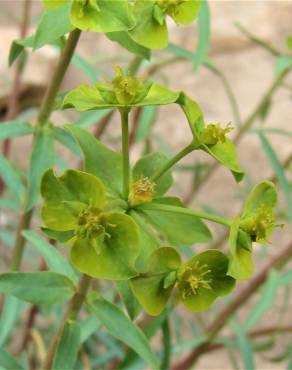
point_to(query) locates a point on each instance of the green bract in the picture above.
(199, 281)
(97, 15)
(255, 224)
(211, 138)
(105, 244)
(151, 28)
(124, 91)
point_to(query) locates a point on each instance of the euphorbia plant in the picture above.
(117, 219)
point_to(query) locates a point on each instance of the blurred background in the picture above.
(244, 79)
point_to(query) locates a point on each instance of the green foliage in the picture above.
(37, 287)
(121, 327)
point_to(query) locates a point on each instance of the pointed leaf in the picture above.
(37, 287)
(14, 129)
(120, 326)
(7, 362)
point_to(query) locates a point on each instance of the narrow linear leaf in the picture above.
(146, 122)
(121, 327)
(63, 137)
(14, 129)
(42, 157)
(11, 178)
(204, 35)
(55, 261)
(9, 315)
(68, 347)
(7, 362)
(277, 167)
(37, 287)
(91, 117)
(132, 305)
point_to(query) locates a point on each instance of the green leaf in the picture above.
(208, 272)
(283, 63)
(204, 35)
(132, 305)
(149, 287)
(68, 347)
(283, 181)
(116, 255)
(146, 122)
(9, 316)
(102, 16)
(120, 326)
(17, 47)
(67, 140)
(265, 301)
(11, 178)
(85, 67)
(14, 129)
(123, 39)
(37, 287)
(148, 165)
(42, 157)
(99, 160)
(149, 241)
(55, 261)
(90, 118)
(54, 3)
(244, 345)
(7, 362)
(148, 32)
(240, 264)
(54, 23)
(178, 229)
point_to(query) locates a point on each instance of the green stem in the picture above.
(65, 58)
(44, 113)
(184, 211)
(125, 149)
(188, 149)
(71, 315)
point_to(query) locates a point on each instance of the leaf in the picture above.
(104, 16)
(37, 287)
(17, 47)
(149, 241)
(7, 362)
(67, 140)
(55, 261)
(123, 39)
(266, 300)
(149, 288)
(277, 167)
(54, 23)
(119, 326)
(204, 35)
(283, 63)
(68, 347)
(179, 229)
(240, 264)
(14, 129)
(132, 305)
(90, 118)
(99, 160)
(148, 165)
(116, 255)
(54, 3)
(146, 123)
(85, 67)
(244, 345)
(42, 157)
(9, 316)
(11, 178)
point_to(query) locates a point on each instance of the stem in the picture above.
(71, 315)
(44, 114)
(125, 149)
(135, 65)
(188, 149)
(65, 58)
(224, 315)
(184, 211)
(18, 249)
